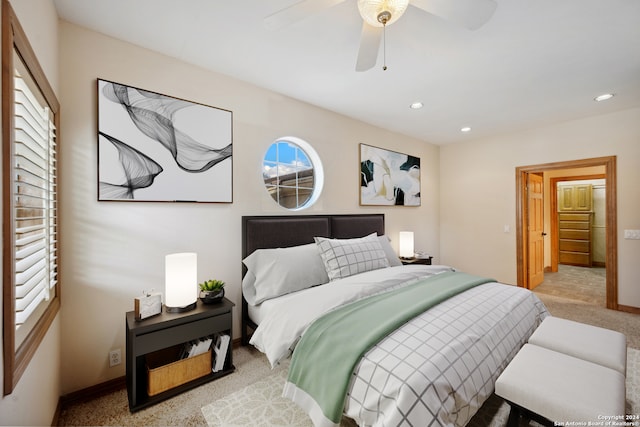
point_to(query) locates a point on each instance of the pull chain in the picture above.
(383, 18)
(384, 47)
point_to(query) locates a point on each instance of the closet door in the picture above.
(573, 198)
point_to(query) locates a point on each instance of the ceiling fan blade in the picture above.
(471, 14)
(297, 12)
(369, 47)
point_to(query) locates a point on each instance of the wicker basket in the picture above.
(165, 370)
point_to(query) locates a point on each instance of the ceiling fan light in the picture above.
(371, 9)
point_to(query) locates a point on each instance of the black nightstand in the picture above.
(423, 261)
(166, 330)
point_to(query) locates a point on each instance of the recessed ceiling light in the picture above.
(465, 129)
(603, 97)
(416, 105)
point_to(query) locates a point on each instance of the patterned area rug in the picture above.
(261, 404)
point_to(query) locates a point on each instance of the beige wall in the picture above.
(34, 400)
(112, 251)
(478, 192)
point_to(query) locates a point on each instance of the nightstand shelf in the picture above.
(166, 330)
(422, 261)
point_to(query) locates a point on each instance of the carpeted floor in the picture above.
(252, 370)
(586, 284)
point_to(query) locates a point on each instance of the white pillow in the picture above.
(275, 272)
(346, 257)
(394, 261)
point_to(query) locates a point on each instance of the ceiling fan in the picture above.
(377, 14)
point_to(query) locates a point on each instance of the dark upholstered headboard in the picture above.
(263, 232)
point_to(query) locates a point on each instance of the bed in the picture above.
(432, 362)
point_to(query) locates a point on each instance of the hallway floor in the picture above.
(578, 283)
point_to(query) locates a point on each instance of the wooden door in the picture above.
(535, 225)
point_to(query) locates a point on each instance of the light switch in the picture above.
(632, 234)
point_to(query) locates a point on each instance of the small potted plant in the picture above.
(211, 291)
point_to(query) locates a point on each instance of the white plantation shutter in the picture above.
(34, 202)
(30, 227)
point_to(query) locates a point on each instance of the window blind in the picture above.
(34, 202)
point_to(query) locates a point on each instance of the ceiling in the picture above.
(535, 63)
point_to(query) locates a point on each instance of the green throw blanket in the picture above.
(330, 349)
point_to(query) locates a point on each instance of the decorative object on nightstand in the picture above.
(181, 280)
(211, 291)
(405, 250)
(147, 305)
(422, 259)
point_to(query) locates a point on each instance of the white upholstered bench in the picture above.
(548, 386)
(598, 345)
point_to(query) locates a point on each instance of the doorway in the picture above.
(594, 252)
(524, 269)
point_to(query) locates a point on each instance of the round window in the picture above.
(292, 173)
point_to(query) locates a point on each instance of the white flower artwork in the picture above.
(388, 177)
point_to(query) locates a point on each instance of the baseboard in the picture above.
(56, 415)
(629, 309)
(93, 392)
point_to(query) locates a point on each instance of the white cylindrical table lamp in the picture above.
(405, 249)
(181, 282)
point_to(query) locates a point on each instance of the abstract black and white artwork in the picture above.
(153, 147)
(388, 177)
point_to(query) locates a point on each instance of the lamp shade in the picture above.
(181, 281)
(406, 244)
(371, 9)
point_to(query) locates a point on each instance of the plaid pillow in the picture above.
(346, 257)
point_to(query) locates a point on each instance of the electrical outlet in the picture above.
(115, 358)
(632, 234)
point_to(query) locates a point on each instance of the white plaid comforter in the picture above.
(437, 369)
(440, 367)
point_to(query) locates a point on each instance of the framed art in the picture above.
(388, 178)
(154, 147)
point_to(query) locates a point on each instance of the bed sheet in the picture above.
(256, 313)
